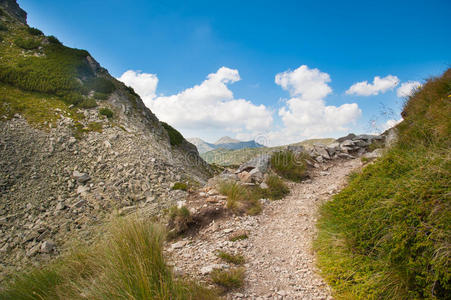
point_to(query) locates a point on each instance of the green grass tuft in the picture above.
(228, 279)
(277, 189)
(180, 186)
(53, 40)
(289, 165)
(240, 198)
(27, 43)
(231, 258)
(104, 111)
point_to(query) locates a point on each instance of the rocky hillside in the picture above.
(75, 145)
(223, 143)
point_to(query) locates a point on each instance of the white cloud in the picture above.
(379, 86)
(390, 123)
(407, 88)
(306, 114)
(144, 84)
(206, 107)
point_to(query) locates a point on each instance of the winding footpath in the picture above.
(280, 263)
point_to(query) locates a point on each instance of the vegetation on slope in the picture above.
(42, 68)
(175, 137)
(387, 234)
(127, 263)
(290, 165)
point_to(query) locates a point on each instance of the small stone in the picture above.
(47, 246)
(179, 244)
(81, 177)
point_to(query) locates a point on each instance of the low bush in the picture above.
(101, 96)
(104, 111)
(289, 165)
(231, 258)
(228, 279)
(87, 103)
(3, 27)
(34, 31)
(180, 186)
(53, 40)
(100, 85)
(175, 138)
(27, 43)
(277, 189)
(127, 263)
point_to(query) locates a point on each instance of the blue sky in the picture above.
(179, 43)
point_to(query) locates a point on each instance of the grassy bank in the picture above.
(127, 263)
(387, 234)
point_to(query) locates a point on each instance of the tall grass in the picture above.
(387, 234)
(241, 199)
(127, 264)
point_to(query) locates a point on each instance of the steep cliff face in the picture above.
(75, 144)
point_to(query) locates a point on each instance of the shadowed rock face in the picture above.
(14, 9)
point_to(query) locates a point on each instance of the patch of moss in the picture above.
(180, 186)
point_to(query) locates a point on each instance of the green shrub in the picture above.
(277, 189)
(3, 27)
(127, 263)
(104, 111)
(386, 235)
(289, 165)
(101, 96)
(175, 138)
(53, 40)
(87, 103)
(228, 279)
(100, 85)
(56, 72)
(231, 258)
(180, 186)
(27, 43)
(34, 31)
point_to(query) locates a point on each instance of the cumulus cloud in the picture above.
(379, 86)
(210, 105)
(144, 84)
(306, 114)
(390, 123)
(407, 88)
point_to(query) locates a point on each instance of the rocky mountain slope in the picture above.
(223, 143)
(75, 145)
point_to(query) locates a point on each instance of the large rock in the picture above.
(261, 163)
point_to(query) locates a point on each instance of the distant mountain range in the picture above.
(223, 143)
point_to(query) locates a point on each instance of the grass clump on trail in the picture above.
(241, 199)
(127, 264)
(231, 258)
(387, 234)
(277, 189)
(180, 186)
(228, 279)
(289, 165)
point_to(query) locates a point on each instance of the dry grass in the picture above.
(228, 279)
(127, 263)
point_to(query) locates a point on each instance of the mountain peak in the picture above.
(226, 140)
